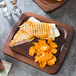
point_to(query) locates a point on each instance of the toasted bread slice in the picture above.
(53, 25)
(21, 37)
(40, 30)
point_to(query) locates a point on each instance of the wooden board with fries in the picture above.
(44, 54)
(49, 5)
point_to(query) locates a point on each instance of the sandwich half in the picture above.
(21, 37)
(40, 30)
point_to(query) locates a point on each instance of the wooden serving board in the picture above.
(49, 5)
(20, 52)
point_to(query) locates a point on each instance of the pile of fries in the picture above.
(44, 52)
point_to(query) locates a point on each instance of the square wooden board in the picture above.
(21, 52)
(49, 5)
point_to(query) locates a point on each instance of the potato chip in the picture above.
(49, 41)
(53, 50)
(42, 41)
(50, 55)
(45, 48)
(43, 64)
(37, 58)
(51, 61)
(36, 46)
(54, 45)
(32, 50)
(47, 56)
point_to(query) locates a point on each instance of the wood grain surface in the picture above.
(21, 52)
(49, 5)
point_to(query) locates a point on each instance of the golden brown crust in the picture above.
(40, 30)
(20, 37)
